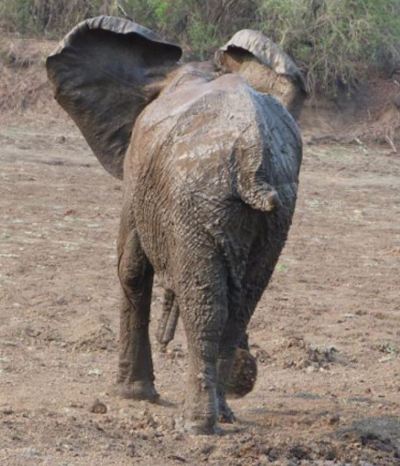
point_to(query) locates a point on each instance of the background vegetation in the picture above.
(336, 42)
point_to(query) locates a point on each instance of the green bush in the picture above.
(336, 42)
(200, 26)
(49, 17)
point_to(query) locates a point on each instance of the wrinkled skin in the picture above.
(184, 219)
(210, 164)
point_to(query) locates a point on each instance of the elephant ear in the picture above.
(265, 66)
(104, 73)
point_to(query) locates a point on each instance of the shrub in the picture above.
(50, 17)
(336, 41)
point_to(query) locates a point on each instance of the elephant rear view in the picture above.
(210, 164)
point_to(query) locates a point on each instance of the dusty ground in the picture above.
(326, 333)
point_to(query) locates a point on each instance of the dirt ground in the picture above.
(326, 333)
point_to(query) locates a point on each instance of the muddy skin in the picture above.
(208, 237)
(240, 374)
(210, 182)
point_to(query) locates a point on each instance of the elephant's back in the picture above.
(188, 133)
(199, 121)
(183, 160)
(194, 116)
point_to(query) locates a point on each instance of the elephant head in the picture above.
(107, 69)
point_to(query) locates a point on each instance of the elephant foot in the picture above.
(225, 414)
(139, 390)
(201, 428)
(243, 375)
(200, 414)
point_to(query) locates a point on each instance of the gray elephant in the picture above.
(210, 164)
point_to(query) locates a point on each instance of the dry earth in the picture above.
(326, 333)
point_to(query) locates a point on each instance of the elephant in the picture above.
(209, 155)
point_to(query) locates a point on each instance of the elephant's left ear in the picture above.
(102, 73)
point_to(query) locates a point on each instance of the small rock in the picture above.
(31, 332)
(69, 212)
(61, 301)
(327, 451)
(273, 454)
(299, 452)
(207, 449)
(262, 356)
(30, 452)
(98, 407)
(292, 463)
(7, 411)
(130, 450)
(75, 405)
(334, 419)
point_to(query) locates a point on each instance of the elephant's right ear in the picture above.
(265, 66)
(102, 72)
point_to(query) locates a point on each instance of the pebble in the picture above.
(130, 450)
(98, 407)
(30, 452)
(334, 419)
(7, 411)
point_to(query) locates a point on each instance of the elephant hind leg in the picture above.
(237, 368)
(234, 352)
(226, 361)
(203, 308)
(135, 377)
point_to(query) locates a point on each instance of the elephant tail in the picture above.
(260, 196)
(251, 184)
